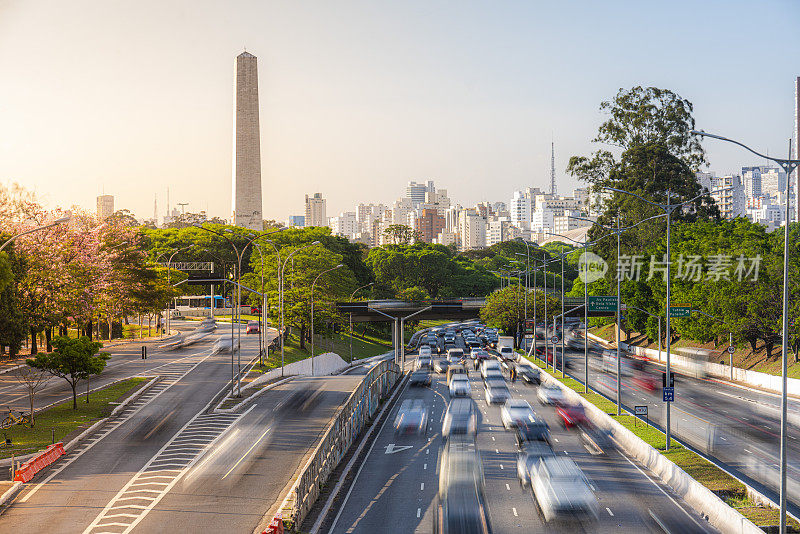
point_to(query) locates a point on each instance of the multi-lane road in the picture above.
(736, 426)
(169, 462)
(396, 485)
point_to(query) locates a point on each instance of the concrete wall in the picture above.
(324, 364)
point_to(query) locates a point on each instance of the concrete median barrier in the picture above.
(700, 498)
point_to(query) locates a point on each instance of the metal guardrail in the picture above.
(343, 430)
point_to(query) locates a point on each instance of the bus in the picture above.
(190, 303)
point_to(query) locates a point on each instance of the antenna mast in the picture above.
(552, 168)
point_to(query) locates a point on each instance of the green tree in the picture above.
(505, 308)
(73, 360)
(414, 294)
(400, 234)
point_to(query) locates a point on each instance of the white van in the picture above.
(490, 364)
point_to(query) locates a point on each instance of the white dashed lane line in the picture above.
(515, 512)
(609, 511)
(421, 486)
(419, 511)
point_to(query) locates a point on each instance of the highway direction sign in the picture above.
(669, 394)
(680, 310)
(640, 410)
(602, 303)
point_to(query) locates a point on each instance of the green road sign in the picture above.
(602, 303)
(680, 310)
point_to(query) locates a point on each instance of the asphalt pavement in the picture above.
(737, 427)
(394, 490)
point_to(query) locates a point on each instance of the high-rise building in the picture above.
(246, 191)
(345, 224)
(416, 192)
(105, 206)
(430, 224)
(731, 202)
(315, 211)
(520, 208)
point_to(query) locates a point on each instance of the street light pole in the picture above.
(282, 277)
(38, 228)
(789, 165)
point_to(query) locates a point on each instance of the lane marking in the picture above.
(609, 511)
(419, 511)
(421, 486)
(425, 466)
(508, 487)
(113, 425)
(501, 466)
(515, 512)
(248, 452)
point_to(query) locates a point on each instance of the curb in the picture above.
(4, 371)
(249, 399)
(702, 500)
(10, 493)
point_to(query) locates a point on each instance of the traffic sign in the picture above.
(554, 339)
(640, 410)
(602, 303)
(731, 349)
(680, 310)
(669, 394)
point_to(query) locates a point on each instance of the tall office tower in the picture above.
(105, 206)
(246, 192)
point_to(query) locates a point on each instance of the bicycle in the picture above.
(20, 418)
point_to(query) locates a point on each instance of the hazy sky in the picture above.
(357, 98)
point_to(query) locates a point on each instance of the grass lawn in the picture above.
(340, 344)
(725, 486)
(65, 420)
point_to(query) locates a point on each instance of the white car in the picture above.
(516, 410)
(425, 350)
(459, 386)
(455, 355)
(490, 364)
(562, 490)
(496, 391)
(550, 394)
(506, 353)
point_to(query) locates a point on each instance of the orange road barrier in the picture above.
(39, 462)
(275, 526)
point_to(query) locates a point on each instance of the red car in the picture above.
(572, 415)
(252, 327)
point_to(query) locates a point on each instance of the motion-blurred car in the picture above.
(420, 377)
(460, 506)
(223, 344)
(455, 355)
(423, 362)
(530, 431)
(550, 394)
(529, 374)
(480, 355)
(459, 386)
(516, 411)
(252, 327)
(440, 365)
(493, 374)
(460, 418)
(412, 416)
(455, 369)
(562, 491)
(572, 414)
(488, 365)
(496, 391)
(528, 457)
(425, 350)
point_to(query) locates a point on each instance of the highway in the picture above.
(397, 483)
(737, 427)
(169, 463)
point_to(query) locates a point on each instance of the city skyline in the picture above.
(461, 114)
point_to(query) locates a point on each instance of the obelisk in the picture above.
(246, 194)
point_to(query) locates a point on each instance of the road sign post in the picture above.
(678, 311)
(641, 411)
(602, 303)
(669, 394)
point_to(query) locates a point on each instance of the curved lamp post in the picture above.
(789, 166)
(283, 268)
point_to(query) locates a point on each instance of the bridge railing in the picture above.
(346, 425)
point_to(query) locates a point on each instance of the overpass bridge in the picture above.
(364, 311)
